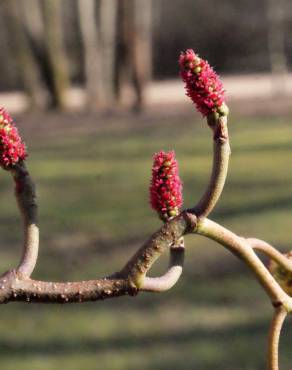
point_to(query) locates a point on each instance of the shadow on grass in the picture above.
(266, 147)
(235, 347)
(248, 208)
(240, 346)
(248, 333)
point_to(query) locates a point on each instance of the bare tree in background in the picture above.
(27, 64)
(142, 49)
(122, 60)
(133, 58)
(107, 30)
(32, 15)
(95, 91)
(56, 51)
(276, 41)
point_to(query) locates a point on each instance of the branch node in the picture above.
(191, 220)
(220, 130)
(277, 304)
(132, 289)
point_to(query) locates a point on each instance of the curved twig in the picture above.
(15, 286)
(171, 277)
(169, 234)
(221, 153)
(26, 199)
(242, 249)
(274, 338)
(270, 251)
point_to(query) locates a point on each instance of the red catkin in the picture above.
(12, 148)
(202, 84)
(166, 185)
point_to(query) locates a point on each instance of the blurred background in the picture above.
(94, 89)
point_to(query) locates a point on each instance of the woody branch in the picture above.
(205, 89)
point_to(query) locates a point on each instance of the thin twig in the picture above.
(270, 251)
(221, 153)
(137, 267)
(242, 249)
(26, 199)
(171, 277)
(15, 286)
(274, 338)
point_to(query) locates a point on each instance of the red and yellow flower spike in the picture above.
(202, 84)
(12, 148)
(166, 185)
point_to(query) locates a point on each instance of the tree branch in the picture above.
(221, 153)
(242, 249)
(15, 288)
(171, 277)
(26, 199)
(274, 338)
(15, 285)
(270, 251)
(168, 236)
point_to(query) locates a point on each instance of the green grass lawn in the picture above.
(92, 183)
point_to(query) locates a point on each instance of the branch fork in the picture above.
(206, 91)
(17, 285)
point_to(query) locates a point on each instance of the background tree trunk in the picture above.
(28, 66)
(276, 41)
(134, 49)
(32, 15)
(142, 50)
(122, 56)
(107, 29)
(92, 54)
(56, 52)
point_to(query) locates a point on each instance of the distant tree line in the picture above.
(236, 36)
(114, 47)
(105, 45)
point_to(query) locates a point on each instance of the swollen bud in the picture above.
(223, 110)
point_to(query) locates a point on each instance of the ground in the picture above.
(92, 175)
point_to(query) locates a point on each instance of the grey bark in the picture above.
(54, 38)
(28, 66)
(134, 49)
(92, 54)
(107, 29)
(276, 42)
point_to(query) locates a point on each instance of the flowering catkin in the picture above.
(12, 149)
(202, 84)
(166, 186)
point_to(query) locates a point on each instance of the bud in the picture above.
(12, 149)
(202, 84)
(166, 186)
(281, 275)
(223, 110)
